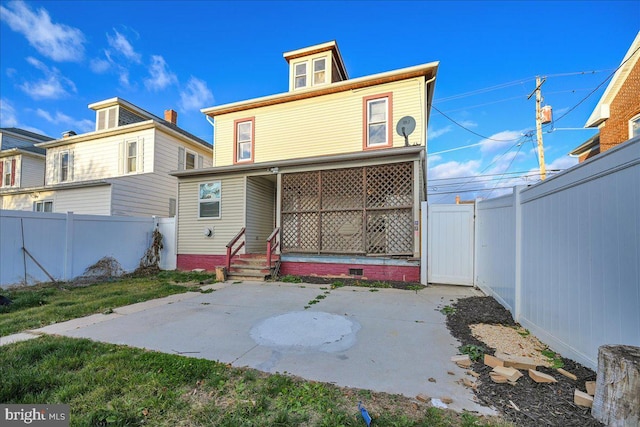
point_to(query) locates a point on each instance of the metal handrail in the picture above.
(233, 241)
(271, 246)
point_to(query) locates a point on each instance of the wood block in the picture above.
(517, 362)
(468, 383)
(462, 360)
(509, 373)
(567, 374)
(423, 398)
(473, 373)
(497, 378)
(582, 399)
(541, 377)
(446, 400)
(591, 387)
(493, 361)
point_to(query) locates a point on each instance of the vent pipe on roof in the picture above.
(171, 116)
(68, 133)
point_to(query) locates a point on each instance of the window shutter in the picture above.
(140, 155)
(200, 161)
(70, 167)
(180, 158)
(1, 173)
(56, 167)
(100, 123)
(121, 158)
(13, 172)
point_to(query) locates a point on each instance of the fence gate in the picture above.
(451, 242)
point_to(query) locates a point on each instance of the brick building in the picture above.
(617, 114)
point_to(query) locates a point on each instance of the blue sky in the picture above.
(56, 57)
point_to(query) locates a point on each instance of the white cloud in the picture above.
(439, 132)
(121, 45)
(468, 123)
(435, 158)
(562, 163)
(99, 66)
(195, 95)
(56, 41)
(53, 86)
(453, 169)
(499, 140)
(161, 77)
(59, 118)
(8, 117)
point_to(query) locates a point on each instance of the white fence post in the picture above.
(517, 212)
(68, 254)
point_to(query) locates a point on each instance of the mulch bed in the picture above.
(538, 404)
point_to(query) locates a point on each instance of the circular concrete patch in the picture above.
(306, 330)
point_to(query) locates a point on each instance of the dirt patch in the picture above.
(514, 341)
(537, 404)
(349, 281)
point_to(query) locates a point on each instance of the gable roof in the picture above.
(428, 71)
(601, 111)
(29, 137)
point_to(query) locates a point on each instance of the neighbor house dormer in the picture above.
(21, 162)
(315, 66)
(115, 112)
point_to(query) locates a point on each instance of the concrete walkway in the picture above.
(386, 340)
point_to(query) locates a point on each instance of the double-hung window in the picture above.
(377, 121)
(64, 166)
(7, 173)
(190, 160)
(132, 156)
(209, 200)
(244, 140)
(319, 71)
(300, 76)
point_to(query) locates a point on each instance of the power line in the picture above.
(508, 167)
(491, 174)
(599, 86)
(469, 130)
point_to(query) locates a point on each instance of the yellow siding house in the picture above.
(325, 179)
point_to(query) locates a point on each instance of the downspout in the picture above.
(424, 274)
(213, 146)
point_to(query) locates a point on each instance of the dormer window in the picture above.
(319, 71)
(301, 75)
(107, 118)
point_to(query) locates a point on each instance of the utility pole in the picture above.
(538, 92)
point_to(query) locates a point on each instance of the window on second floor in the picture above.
(107, 118)
(132, 156)
(634, 127)
(319, 71)
(43, 206)
(310, 73)
(8, 173)
(188, 159)
(300, 76)
(244, 140)
(64, 166)
(377, 121)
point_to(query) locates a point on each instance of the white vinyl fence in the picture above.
(62, 246)
(564, 255)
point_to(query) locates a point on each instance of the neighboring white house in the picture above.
(21, 162)
(121, 168)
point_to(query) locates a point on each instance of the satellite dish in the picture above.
(405, 127)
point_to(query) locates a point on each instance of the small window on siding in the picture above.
(43, 206)
(132, 156)
(64, 166)
(209, 197)
(7, 172)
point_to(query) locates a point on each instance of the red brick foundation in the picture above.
(370, 272)
(208, 262)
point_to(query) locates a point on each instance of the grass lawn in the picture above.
(110, 385)
(42, 305)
